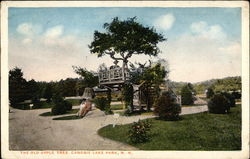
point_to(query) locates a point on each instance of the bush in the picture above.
(209, 93)
(186, 96)
(68, 105)
(236, 95)
(102, 103)
(139, 132)
(128, 95)
(60, 106)
(218, 104)
(166, 107)
(230, 98)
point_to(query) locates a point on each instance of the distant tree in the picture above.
(33, 91)
(186, 96)
(48, 92)
(123, 39)
(17, 86)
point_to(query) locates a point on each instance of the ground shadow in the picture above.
(73, 111)
(71, 117)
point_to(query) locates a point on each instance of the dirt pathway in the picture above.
(29, 131)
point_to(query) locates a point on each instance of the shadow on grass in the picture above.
(71, 117)
(73, 111)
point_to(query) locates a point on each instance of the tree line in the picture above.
(21, 89)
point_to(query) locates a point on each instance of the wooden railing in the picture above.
(113, 75)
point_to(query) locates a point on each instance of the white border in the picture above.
(244, 153)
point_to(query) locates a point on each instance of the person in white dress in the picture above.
(82, 105)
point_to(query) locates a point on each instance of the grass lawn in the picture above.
(44, 104)
(73, 111)
(116, 107)
(40, 105)
(201, 131)
(74, 102)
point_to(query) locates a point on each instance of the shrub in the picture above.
(58, 108)
(127, 94)
(218, 104)
(68, 105)
(139, 132)
(209, 93)
(102, 103)
(236, 95)
(230, 98)
(186, 96)
(166, 107)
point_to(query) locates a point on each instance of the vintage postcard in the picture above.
(125, 79)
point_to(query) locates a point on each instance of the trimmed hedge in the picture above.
(219, 104)
(166, 107)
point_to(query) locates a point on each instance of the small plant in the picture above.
(166, 107)
(218, 104)
(139, 132)
(103, 104)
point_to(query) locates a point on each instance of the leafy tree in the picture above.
(186, 96)
(123, 39)
(89, 78)
(17, 86)
(152, 76)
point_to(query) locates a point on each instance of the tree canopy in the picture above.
(124, 38)
(89, 79)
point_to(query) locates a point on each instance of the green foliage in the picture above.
(48, 92)
(60, 106)
(209, 92)
(219, 104)
(125, 38)
(102, 103)
(68, 105)
(201, 131)
(186, 96)
(17, 87)
(230, 98)
(166, 107)
(236, 95)
(219, 85)
(89, 79)
(139, 131)
(127, 94)
(33, 91)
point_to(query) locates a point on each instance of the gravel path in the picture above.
(29, 131)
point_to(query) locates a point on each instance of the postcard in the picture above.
(125, 79)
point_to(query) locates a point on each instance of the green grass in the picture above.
(71, 117)
(203, 131)
(40, 105)
(73, 111)
(74, 101)
(44, 105)
(116, 107)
